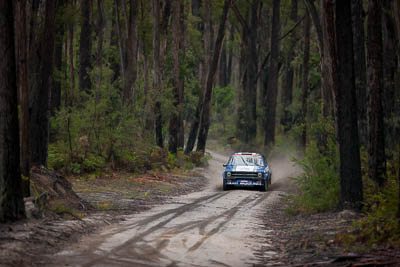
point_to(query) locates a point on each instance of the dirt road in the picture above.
(206, 228)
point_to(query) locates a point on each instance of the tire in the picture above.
(264, 187)
(225, 187)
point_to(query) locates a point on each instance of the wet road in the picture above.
(207, 228)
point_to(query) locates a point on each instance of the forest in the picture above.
(108, 85)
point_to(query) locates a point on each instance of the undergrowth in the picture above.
(380, 224)
(84, 144)
(98, 132)
(319, 184)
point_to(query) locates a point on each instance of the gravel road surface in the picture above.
(207, 228)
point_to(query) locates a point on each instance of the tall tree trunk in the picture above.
(346, 110)
(389, 72)
(360, 69)
(230, 56)
(222, 72)
(330, 56)
(313, 13)
(101, 24)
(181, 85)
(326, 85)
(194, 129)
(205, 118)
(389, 57)
(195, 124)
(131, 54)
(196, 6)
(114, 62)
(121, 43)
(251, 81)
(247, 95)
(71, 64)
(157, 71)
(23, 92)
(376, 148)
(174, 121)
(149, 125)
(304, 96)
(85, 47)
(398, 184)
(41, 90)
(242, 109)
(272, 90)
(287, 88)
(396, 12)
(55, 100)
(11, 202)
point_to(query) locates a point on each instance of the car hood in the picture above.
(245, 168)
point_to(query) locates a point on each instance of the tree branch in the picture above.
(281, 38)
(240, 17)
(312, 10)
(292, 29)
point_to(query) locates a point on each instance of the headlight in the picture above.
(228, 174)
(260, 174)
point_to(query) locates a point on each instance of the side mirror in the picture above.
(224, 165)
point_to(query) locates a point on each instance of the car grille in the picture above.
(244, 174)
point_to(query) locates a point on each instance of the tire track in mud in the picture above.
(136, 249)
(176, 212)
(208, 228)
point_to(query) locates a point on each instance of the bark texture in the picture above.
(389, 72)
(346, 110)
(174, 121)
(55, 101)
(181, 84)
(131, 54)
(157, 71)
(23, 91)
(71, 101)
(222, 72)
(11, 202)
(360, 70)
(389, 57)
(85, 47)
(306, 60)
(41, 88)
(376, 142)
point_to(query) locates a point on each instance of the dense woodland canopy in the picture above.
(114, 82)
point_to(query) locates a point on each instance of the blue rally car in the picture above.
(246, 169)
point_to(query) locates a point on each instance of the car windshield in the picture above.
(246, 160)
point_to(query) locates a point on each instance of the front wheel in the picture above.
(264, 187)
(224, 187)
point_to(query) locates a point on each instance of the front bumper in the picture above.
(244, 182)
(245, 178)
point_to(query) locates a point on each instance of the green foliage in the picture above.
(319, 185)
(86, 144)
(380, 224)
(223, 107)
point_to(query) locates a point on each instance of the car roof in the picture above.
(248, 153)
